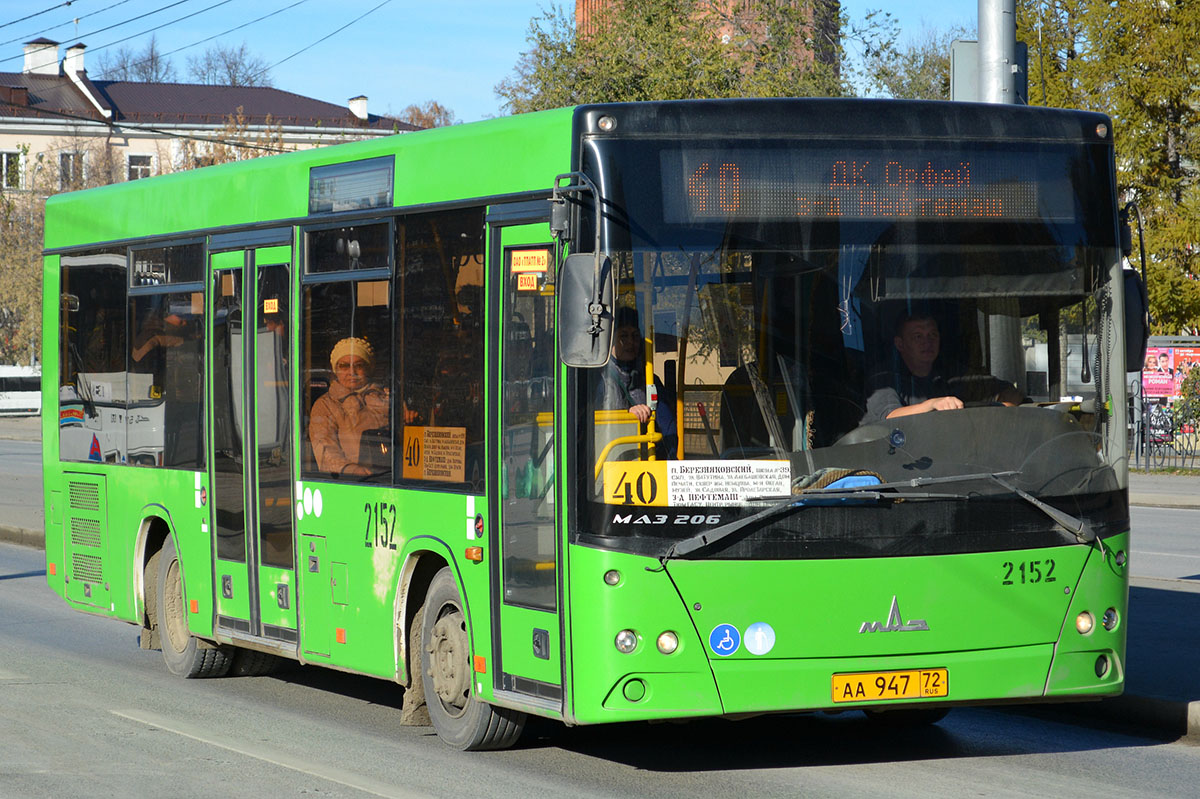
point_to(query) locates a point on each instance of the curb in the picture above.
(1174, 503)
(23, 536)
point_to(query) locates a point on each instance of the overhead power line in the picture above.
(219, 35)
(134, 19)
(151, 129)
(77, 19)
(37, 13)
(323, 38)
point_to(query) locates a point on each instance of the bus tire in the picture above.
(252, 663)
(184, 654)
(459, 719)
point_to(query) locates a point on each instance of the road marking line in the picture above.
(1137, 552)
(272, 756)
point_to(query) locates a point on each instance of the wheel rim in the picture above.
(447, 650)
(176, 623)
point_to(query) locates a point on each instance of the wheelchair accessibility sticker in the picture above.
(724, 640)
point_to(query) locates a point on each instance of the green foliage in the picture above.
(673, 49)
(920, 71)
(1136, 61)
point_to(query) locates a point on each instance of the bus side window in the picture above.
(439, 291)
(92, 335)
(165, 364)
(346, 346)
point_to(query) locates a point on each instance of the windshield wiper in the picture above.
(1077, 527)
(715, 534)
(1072, 524)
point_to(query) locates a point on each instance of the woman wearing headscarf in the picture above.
(353, 405)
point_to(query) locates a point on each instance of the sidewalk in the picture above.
(1162, 687)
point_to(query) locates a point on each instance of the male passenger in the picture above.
(919, 386)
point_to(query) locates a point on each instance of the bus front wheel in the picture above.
(461, 720)
(185, 655)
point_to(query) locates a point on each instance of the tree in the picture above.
(222, 65)
(149, 65)
(20, 252)
(430, 114)
(1135, 60)
(234, 142)
(920, 71)
(672, 49)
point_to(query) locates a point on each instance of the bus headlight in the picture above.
(1084, 623)
(612, 577)
(626, 641)
(668, 642)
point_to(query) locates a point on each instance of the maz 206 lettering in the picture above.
(381, 525)
(1028, 572)
(710, 519)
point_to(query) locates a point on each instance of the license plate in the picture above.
(876, 686)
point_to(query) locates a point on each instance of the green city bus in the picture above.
(607, 413)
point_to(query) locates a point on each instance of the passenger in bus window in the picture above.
(623, 384)
(919, 385)
(354, 405)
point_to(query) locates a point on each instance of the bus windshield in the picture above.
(799, 320)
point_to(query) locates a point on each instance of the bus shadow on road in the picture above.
(354, 686)
(1163, 651)
(21, 575)
(817, 740)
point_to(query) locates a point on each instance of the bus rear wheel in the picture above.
(459, 719)
(184, 654)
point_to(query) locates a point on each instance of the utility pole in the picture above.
(997, 84)
(997, 51)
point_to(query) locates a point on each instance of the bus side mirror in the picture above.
(585, 306)
(1137, 320)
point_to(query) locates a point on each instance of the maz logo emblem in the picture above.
(895, 622)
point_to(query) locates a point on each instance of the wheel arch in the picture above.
(152, 534)
(425, 556)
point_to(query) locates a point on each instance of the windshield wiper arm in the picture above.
(798, 501)
(1072, 524)
(1076, 526)
(715, 534)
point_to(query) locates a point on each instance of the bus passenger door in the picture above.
(527, 640)
(252, 442)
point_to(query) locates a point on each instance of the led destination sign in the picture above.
(914, 183)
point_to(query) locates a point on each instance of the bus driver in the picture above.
(352, 406)
(919, 386)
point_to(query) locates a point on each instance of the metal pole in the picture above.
(997, 55)
(997, 50)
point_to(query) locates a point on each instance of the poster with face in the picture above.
(1158, 373)
(1184, 360)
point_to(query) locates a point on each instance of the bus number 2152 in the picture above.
(381, 525)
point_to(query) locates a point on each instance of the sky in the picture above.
(396, 52)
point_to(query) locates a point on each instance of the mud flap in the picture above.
(414, 712)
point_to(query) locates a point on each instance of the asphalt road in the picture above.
(1166, 544)
(83, 711)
